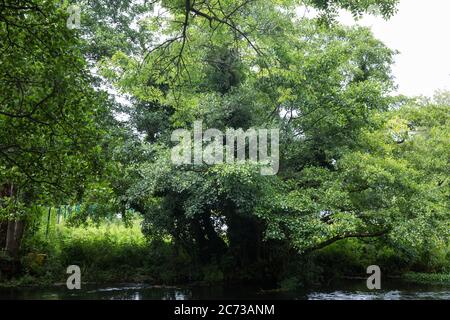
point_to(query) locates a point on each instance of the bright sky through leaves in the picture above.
(421, 32)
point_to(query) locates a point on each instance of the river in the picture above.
(346, 290)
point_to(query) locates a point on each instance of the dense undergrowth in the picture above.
(113, 250)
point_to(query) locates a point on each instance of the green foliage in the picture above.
(51, 116)
(11, 209)
(393, 183)
(384, 7)
(106, 251)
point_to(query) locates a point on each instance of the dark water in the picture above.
(348, 290)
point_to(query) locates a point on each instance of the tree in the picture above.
(246, 65)
(50, 115)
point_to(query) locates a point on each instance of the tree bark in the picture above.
(346, 236)
(14, 238)
(10, 236)
(3, 232)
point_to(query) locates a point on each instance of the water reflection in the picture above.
(392, 295)
(353, 290)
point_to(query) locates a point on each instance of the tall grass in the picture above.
(109, 250)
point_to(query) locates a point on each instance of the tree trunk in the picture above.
(9, 247)
(14, 229)
(3, 232)
(208, 243)
(14, 238)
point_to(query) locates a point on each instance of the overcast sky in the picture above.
(421, 32)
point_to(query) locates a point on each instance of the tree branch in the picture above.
(346, 236)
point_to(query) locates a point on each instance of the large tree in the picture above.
(51, 116)
(247, 65)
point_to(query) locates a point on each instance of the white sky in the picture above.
(421, 32)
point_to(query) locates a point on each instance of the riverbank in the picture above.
(427, 278)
